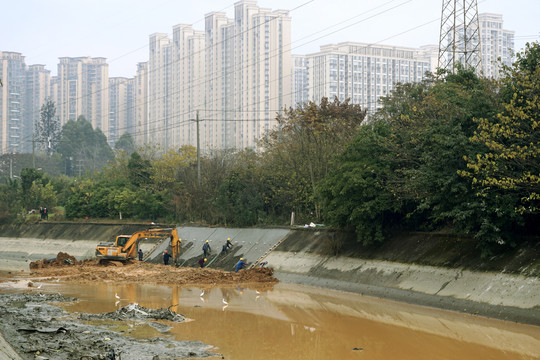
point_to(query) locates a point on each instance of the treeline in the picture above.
(455, 151)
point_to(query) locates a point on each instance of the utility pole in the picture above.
(459, 40)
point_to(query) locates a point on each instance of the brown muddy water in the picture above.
(297, 322)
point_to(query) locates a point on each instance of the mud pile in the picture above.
(135, 311)
(139, 272)
(38, 329)
(62, 259)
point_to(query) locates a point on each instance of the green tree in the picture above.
(36, 190)
(28, 177)
(83, 148)
(304, 143)
(167, 168)
(511, 166)
(430, 137)
(48, 127)
(140, 170)
(125, 143)
(41, 195)
(10, 201)
(356, 195)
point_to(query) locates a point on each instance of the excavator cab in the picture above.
(122, 240)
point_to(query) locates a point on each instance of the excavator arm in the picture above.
(175, 244)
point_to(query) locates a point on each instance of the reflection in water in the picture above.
(295, 322)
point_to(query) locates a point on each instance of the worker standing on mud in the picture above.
(239, 265)
(206, 249)
(166, 257)
(140, 255)
(202, 261)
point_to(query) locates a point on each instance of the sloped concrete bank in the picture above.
(305, 258)
(412, 269)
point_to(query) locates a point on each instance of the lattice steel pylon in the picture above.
(460, 40)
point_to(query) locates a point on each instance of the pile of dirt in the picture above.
(62, 259)
(90, 271)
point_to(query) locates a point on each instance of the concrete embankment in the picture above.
(307, 256)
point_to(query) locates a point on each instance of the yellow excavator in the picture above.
(125, 247)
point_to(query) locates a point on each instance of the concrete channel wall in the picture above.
(501, 295)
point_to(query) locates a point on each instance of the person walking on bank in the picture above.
(239, 265)
(140, 255)
(166, 257)
(202, 261)
(228, 244)
(206, 249)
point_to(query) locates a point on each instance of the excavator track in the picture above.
(107, 262)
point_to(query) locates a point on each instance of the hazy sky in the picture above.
(44, 30)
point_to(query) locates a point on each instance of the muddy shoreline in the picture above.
(36, 327)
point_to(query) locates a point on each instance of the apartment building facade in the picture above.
(159, 90)
(36, 93)
(497, 44)
(12, 73)
(300, 80)
(82, 88)
(121, 108)
(188, 84)
(141, 104)
(362, 72)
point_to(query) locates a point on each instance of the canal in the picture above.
(297, 322)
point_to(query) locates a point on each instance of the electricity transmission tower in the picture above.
(459, 40)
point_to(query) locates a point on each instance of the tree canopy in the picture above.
(512, 137)
(48, 128)
(83, 148)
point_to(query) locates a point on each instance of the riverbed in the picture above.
(291, 321)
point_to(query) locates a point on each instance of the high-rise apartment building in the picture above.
(83, 89)
(260, 72)
(219, 125)
(141, 104)
(236, 75)
(121, 108)
(497, 44)
(36, 89)
(188, 84)
(12, 73)
(159, 118)
(362, 72)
